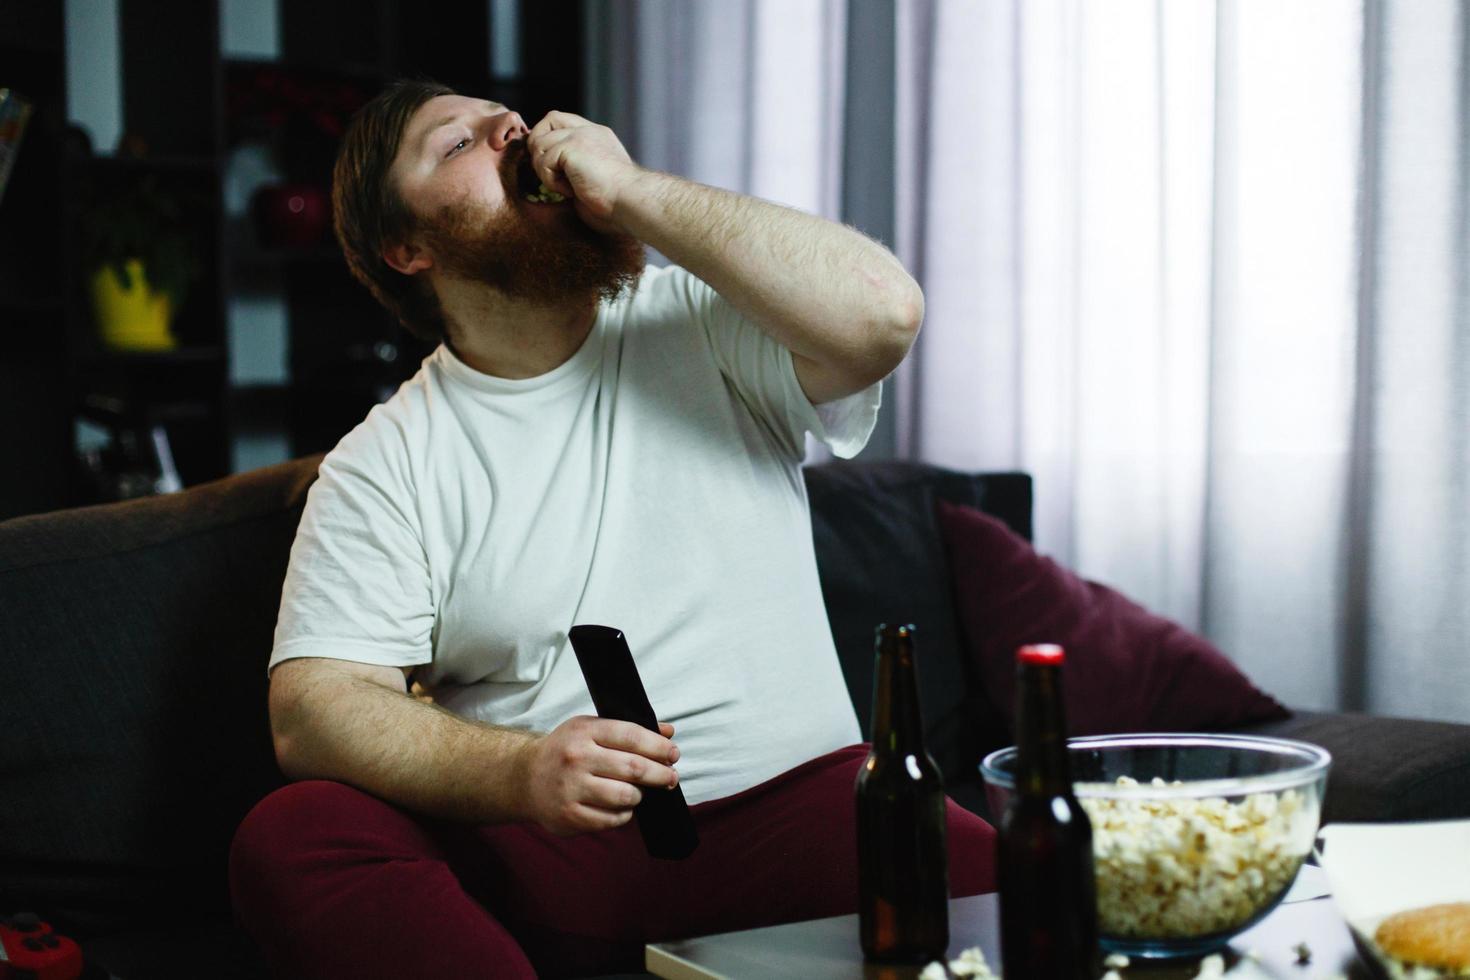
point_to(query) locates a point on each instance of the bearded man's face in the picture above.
(526, 250)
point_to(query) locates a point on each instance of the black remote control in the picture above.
(617, 691)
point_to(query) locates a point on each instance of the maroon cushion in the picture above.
(1126, 669)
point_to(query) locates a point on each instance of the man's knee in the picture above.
(298, 810)
(310, 824)
(324, 877)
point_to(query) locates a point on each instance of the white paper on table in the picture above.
(1310, 883)
(1377, 869)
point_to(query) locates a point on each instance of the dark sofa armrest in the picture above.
(1385, 769)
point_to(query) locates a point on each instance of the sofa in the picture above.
(134, 637)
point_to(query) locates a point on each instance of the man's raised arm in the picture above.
(839, 301)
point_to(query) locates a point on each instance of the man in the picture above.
(593, 442)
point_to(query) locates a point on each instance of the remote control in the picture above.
(617, 691)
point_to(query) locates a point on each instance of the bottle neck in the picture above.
(1041, 732)
(897, 726)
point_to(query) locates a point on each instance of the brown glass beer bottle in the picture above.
(1048, 895)
(903, 864)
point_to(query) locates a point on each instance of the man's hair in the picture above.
(368, 212)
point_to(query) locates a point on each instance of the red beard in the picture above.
(527, 259)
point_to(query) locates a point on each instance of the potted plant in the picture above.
(139, 257)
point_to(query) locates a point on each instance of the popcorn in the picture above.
(1211, 967)
(971, 963)
(545, 195)
(1176, 868)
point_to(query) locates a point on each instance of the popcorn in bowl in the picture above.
(1195, 837)
(1192, 866)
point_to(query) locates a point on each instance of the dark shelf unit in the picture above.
(344, 352)
(34, 422)
(173, 129)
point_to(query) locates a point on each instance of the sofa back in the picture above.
(134, 639)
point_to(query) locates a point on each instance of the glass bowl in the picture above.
(1195, 837)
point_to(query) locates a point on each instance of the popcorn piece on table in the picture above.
(971, 963)
(934, 971)
(1211, 967)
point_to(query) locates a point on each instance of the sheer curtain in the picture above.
(741, 94)
(1202, 270)
(787, 101)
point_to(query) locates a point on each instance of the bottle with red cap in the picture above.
(1048, 894)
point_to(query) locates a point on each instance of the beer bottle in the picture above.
(903, 864)
(1048, 895)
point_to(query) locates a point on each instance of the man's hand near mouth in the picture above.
(584, 161)
(840, 302)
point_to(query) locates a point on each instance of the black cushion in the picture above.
(881, 559)
(134, 638)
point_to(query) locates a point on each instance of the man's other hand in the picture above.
(585, 774)
(584, 161)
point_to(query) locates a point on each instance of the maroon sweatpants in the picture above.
(333, 882)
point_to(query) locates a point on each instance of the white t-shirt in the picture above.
(651, 483)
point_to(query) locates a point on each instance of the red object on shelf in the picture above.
(290, 215)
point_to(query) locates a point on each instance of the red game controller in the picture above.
(29, 950)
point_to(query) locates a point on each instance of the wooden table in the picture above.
(827, 949)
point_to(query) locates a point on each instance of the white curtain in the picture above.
(740, 94)
(746, 95)
(1201, 269)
